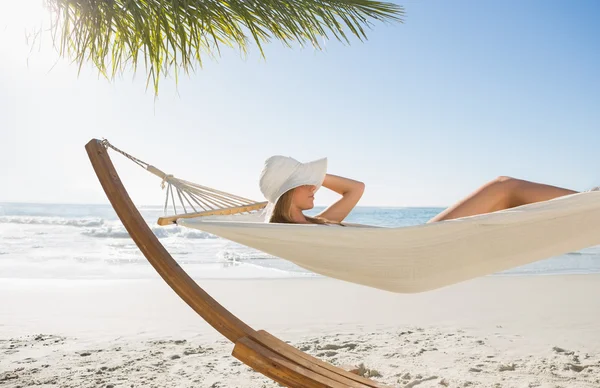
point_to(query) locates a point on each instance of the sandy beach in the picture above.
(500, 331)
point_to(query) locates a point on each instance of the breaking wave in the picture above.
(233, 255)
(119, 231)
(101, 228)
(61, 221)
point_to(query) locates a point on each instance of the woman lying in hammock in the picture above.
(290, 186)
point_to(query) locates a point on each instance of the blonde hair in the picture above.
(282, 212)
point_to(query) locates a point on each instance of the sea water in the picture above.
(49, 241)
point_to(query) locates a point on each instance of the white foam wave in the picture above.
(179, 231)
(106, 232)
(61, 221)
(232, 255)
(100, 228)
(119, 231)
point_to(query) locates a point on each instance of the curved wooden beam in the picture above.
(260, 350)
(216, 315)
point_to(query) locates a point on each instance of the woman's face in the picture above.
(304, 197)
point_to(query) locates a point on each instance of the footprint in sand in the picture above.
(507, 367)
(349, 346)
(8, 376)
(198, 350)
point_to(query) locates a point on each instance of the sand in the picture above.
(500, 331)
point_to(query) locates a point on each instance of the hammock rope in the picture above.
(208, 201)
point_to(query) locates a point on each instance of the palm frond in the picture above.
(176, 34)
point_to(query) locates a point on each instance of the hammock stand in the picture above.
(259, 350)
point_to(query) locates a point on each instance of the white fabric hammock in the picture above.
(429, 256)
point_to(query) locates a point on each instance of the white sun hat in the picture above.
(283, 173)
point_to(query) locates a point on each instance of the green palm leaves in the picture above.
(176, 34)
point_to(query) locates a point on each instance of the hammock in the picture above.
(404, 259)
(425, 257)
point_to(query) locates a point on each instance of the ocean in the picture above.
(50, 241)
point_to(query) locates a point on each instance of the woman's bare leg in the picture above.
(501, 193)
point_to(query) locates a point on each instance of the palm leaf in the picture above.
(176, 34)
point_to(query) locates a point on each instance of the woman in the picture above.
(289, 186)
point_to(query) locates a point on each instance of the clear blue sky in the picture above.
(423, 112)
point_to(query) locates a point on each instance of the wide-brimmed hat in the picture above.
(283, 173)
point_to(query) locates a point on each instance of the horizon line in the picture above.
(148, 205)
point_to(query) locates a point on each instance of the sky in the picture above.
(423, 112)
